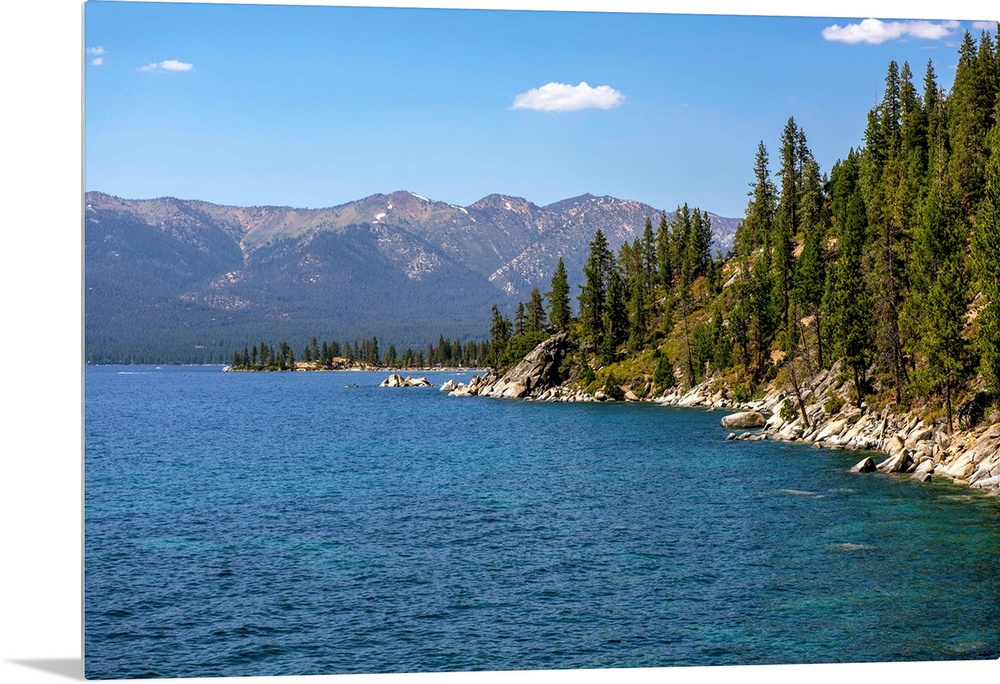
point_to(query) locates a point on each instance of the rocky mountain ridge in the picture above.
(187, 280)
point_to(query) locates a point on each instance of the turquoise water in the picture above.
(275, 524)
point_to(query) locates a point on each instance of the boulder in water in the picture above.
(866, 465)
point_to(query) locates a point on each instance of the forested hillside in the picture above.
(888, 263)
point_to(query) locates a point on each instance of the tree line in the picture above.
(366, 353)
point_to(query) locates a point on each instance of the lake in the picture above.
(307, 523)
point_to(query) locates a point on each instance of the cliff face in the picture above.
(535, 377)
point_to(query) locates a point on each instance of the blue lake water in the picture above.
(282, 523)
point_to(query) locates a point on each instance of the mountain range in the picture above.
(190, 281)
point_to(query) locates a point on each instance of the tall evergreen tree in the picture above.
(615, 314)
(941, 293)
(986, 260)
(594, 291)
(970, 117)
(500, 332)
(558, 296)
(847, 300)
(520, 319)
(755, 230)
(648, 255)
(664, 254)
(536, 312)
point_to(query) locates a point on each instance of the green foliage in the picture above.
(594, 291)
(788, 412)
(742, 392)
(833, 403)
(500, 332)
(612, 389)
(559, 311)
(663, 376)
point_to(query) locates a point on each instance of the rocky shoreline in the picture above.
(909, 445)
(924, 450)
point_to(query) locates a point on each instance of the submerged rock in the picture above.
(745, 419)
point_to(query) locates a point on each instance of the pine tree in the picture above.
(786, 224)
(970, 116)
(558, 296)
(986, 260)
(638, 316)
(664, 254)
(594, 291)
(536, 312)
(500, 330)
(755, 230)
(648, 247)
(847, 301)
(615, 314)
(520, 319)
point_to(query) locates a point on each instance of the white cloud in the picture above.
(874, 31)
(97, 50)
(168, 65)
(97, 61)
(560, 97)
(984, 25)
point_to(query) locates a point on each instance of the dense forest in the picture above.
(889, 264)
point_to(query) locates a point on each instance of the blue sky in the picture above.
(316, 106)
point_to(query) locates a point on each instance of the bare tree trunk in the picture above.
(798, 394)
(947, 400)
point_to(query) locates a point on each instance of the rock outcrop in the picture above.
(537, 376)
(972, 412)
(396, 380)
(745, 419)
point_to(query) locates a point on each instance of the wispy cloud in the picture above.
(984, 25)
(168, 65)
(97, 51)
(560, 97)
(874, 31)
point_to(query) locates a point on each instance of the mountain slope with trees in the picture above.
(888, 267)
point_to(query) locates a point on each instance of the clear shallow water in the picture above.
(274, 524)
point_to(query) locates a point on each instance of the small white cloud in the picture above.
(168, 65)
(97, 61)
(560, 97)
(96, 50)
(875, 32)
(984, 25)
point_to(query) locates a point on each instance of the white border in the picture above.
(41, 483)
